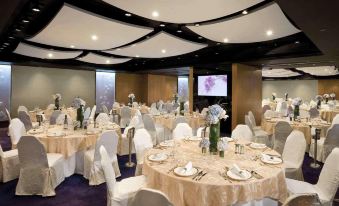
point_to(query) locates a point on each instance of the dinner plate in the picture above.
(274, 160)
(229, 139)
(55, 134)
(169, 143)
(180, 171)
(35, 131)
(257, 146)
(159, 157)
(247, 175)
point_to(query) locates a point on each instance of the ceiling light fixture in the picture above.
(244, 12)
(128, 14)
(200, 37)
(155, 14)
(225, 40)
(297, 42)
(25, 21)
(17, 29)
(6, 43)
(196, 24)
(94, 37)
(36, 9)
(72, 46)
(269, 32)
(50, 55)
(163, 51)
(11, 37)
(179, 31)
(108, 61)
(137, 56)
(162, 25)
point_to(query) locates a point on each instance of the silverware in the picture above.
(201, 176)
(196, 175)
(225, 177)
(170, 170)
(256, 175)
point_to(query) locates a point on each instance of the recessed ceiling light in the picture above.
(128, 14)
(218, 43)
(133, 45)
(196, 24)
(118, 49)
(25, 21)
(269, 32)
(155, 14)
(17, 29)
(50, 55)
(94, 37)
(36, 9)
(72, 46)
(6, 43)
(179, 31)
(162, 25)
(200, 37)
(196, 55)
(244, 12)
(11, 37)
(137, 56)
(108, 61)
(225, 40)
(216, 53)
(163, 51)
(297, 42)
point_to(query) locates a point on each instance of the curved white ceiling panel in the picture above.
(182, 11)
(320, 70)
(158, 46)
(99, 59)
(277, 73)
(76, 28)
(42, 53)
(265, 24)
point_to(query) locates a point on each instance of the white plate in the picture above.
(273, 160)
(55, 134)
(158, 157)
(180, 171)
(35, 131)
(195, 138)
(229, 139)
(169, 143)
(257, 146)
(247, 175)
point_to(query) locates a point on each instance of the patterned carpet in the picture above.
(75, 191)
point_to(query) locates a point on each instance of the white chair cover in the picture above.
(204, 111)
(168, 107)
(125, 116)
(310, 199)
(9, 165)
(16, 131)
(200, 131)
(265, 102)
(182, 130)
(8, 115)
(104, 109)
(282, 131)
(252, 118)
(102, 119)
(278, 108)
(119, 193)
(186, 107)
(150, 197)
(314, 113)
(135, 105)
(259, 135)
(284, 109)
(293, 155)
(335, 119)
(156, 131)
(61, 119)
(40, 173)
(116, 105)
(94, 109)
(265, 108)
(25, 118)
(92, 167)
(242, 132)
(154, 105)
(154, 111)
(22, 108)
(142, 141)
(54, 116)
(136, 122)
(50, 107)
(87, 113)
(327, 184)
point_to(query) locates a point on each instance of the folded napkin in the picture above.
(237, 171)
(270, 158)
(188, 167)
(159, 156)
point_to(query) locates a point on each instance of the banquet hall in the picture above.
(169, 103)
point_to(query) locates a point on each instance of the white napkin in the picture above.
(159, 156)
(237, 171)
(188, 167)
(270, 158)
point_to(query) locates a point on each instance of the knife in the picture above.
(201, 176)
(256, 175)
(199, 173)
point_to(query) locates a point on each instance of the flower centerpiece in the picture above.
(57, 98)
(79, 105)
(131, 98)
(326, 96)
(204, 144)
(296, 102)
(319, 98)
(332, 95)
(274, 95)
(286, 96)
(213, 116)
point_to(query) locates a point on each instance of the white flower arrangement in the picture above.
(56, 96)
(215, 114)
(297, 101)
(332, 95)
(131, 96)
(326, 96)
(77, 102)
(319, 97)
(274, 94)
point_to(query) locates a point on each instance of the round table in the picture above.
(328, 115)
(48, 112)
(213, 189)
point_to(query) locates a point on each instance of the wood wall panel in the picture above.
(328, 86)
(246, 93)
(126, 83)
(161, 87)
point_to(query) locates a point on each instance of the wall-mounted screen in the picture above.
(213, 85)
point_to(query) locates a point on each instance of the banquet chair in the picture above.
(93, 111)
(119, 193)
(16, 131)
(278, 108)
(104, 109)
(181, 131)
(204, 111)
(135, 105)
(293, 155)
(92, 167)
(168, 107)
(283, 109)
(265, 108)
(87, 113)
(157, 132)
(50, 107)
(186, 107)
(61, 119)
(150, 197)
(136, 122)
(40, 172)
(309, 199)
(125, 116)
(242, 132)
(22, 108)
(180, 119)
(327, 184)
(259, 135)
(335, 119)
(154, 111)
(116, 105)
(154, 105)
(314, 112)
(9, 165)
(25, 119)
(281, 131)
(252, 119)
(102, 118)
(326, 144)
(54, 116)
(265, 102)
(124, 143)
(142, 141)
(8, 115)
(203, 132)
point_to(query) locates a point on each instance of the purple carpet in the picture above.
(75, 191)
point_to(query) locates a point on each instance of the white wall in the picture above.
(306, 89)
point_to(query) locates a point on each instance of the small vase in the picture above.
(57, 103)
(214, 138)
(221, 153)
(326, 100)
(296, 112)
(203, 150)
(273, 97)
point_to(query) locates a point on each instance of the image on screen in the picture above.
(213, 85)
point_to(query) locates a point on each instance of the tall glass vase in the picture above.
(296, 112)
(214, 138)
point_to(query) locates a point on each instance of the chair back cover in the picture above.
(16, 130)
(102, 118)
(278, 108)
(169, 107)
(180, 119)
(136, 122)
(249, 123)
(154, 111)
(104, 109)
(61, 119)
(25, 118)
(87, 113)
(295, 147)
(32, 153)
(265, 102)
(8, 115)
(154, 105)
(283, 109)
(252, 118)
(314, 113)
(331, 141)
(242, 132)
(204, 111)
(116, 105)
(50, 107)
(182, 130)
(186, 107)
(22, 108)
(149, 123)
(265, 108)
(54, 116)
(142, 141)
(150, 197)
(335, 119)
(109, 140)
(160, 105)
(328, 180)
(106, 164)
(309, 199)
(135, 104)
(94, 109)
(282, 131)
